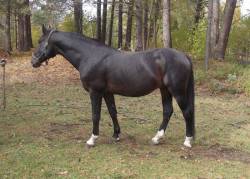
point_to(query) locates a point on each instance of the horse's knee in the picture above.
(187, 114)
(96, 121)
(168, 114)
(113, 115)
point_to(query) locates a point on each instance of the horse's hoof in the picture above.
(153, 143)
(185, 147)
(112, 139)
(89, 146)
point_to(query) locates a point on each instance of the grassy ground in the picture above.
(45, 127)
(46, 124)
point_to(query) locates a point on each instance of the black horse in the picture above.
(105, 71)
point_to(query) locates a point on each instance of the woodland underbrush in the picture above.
(230, 77)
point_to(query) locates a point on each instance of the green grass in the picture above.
(43, 136)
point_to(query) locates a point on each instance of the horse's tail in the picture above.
(191, 96)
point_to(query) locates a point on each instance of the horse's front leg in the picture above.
(96, 102)
(110, 102)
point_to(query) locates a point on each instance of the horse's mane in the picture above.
(85, 38)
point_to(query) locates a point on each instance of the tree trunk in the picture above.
(99, 18)
(145, 32)
(7, 28)
(21, 42)
(120, 25)
(111, 23)
(199, 8)
(24, 28)
(138, 40)
(215, 26)
(21, 38)
(129, 25)
(208, 44)
(151, 22)
(78, 16)
(104, 21)
(156, 26)
(16, 29)
(167, 42)
(28, 35)
(27, 28)
(225, 29)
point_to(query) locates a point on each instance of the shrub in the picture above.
(201, 77)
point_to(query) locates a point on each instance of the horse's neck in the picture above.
(70, 51)
(76, 50)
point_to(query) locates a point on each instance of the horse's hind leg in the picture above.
(110, 102)
(188, 114)
(167, 112)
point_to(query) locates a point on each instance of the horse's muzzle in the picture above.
(35, 64)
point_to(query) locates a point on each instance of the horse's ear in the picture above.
(49, 28)
(44, 29)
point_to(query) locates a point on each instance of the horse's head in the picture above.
(44, 50)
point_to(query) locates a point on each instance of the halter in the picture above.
(43, 54)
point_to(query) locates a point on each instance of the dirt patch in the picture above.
(59, 70)
(216, 152)
(55, 131)
(223, 152)
(129, 139)
(59, 128)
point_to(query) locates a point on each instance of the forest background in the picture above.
(204, 29)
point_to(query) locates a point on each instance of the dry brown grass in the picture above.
(19, 70)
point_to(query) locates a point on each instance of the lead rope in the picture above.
(3, 62)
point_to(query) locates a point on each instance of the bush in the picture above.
(199, 40)
(201, 77)
(223, 77)
(244, 80)
(181, 40)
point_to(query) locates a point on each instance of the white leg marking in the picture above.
(158, 136)
(92, 139)
(187, 142)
